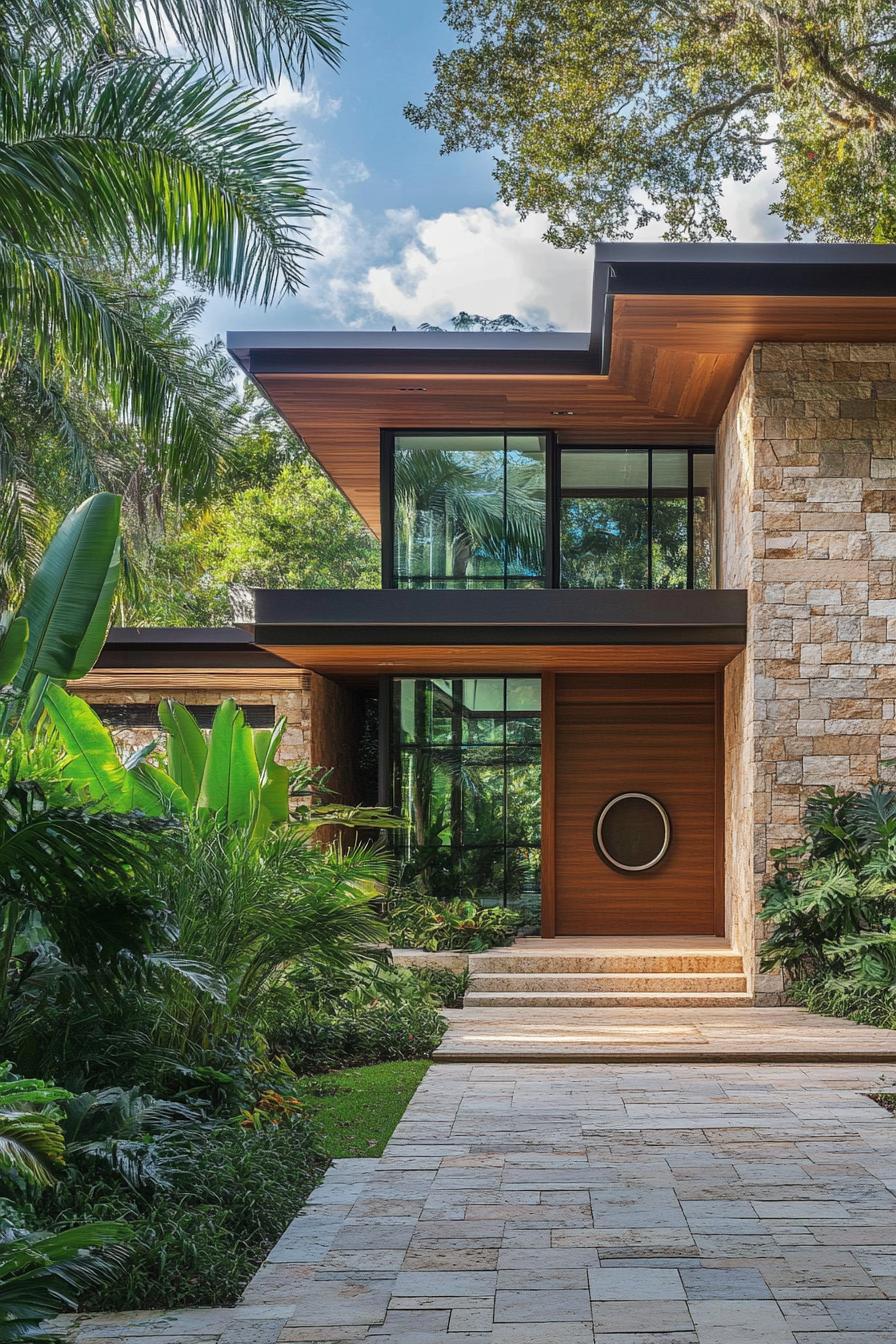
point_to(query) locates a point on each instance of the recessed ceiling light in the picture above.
(562, 412)
(412, 389)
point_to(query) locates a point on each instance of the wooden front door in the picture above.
(659, 736)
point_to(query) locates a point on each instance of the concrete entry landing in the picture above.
(630, 972)
(604, 1035)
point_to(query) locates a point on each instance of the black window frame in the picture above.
(531, 750)
(553, 496)
(692, 450)
(389, 579)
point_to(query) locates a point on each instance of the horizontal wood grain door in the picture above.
(655, 735)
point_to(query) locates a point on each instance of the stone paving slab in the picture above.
(590, 1204)
(663, 1035)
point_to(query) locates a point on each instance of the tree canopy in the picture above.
(127, 167)
(606, 117)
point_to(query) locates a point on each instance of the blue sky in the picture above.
(411, 235)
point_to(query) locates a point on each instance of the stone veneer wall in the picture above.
(295, 704)
(807, 500)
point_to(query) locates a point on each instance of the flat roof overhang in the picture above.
(386, 632)
(671, 327)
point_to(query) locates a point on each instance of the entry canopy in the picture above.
(672, 325)
(391, 631)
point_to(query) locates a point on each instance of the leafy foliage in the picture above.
(606, 117)
(839, 997)
(232, 1193)
(31, 1139)
(251, 913)
(44, 1273)
(127, 169)
(832, 899)
(294, 530)
(415, 920)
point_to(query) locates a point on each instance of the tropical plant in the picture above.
(31, 1139)
(415, 920)
(81, 877)
(252, 911)
(607, 117)
(42, 1273)
(232, 1193)
(120, 159)
(118, 1128)
(832, 897)
(45, 1273)
(61, 626)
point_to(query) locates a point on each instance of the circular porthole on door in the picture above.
(632, 832)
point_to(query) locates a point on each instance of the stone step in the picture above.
(477, 999)
(716, 982)
(506, 961)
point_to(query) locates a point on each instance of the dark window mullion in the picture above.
(689, 578)
(649, 517)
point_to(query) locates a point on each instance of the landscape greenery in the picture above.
(607, 117)
(177, 948)
(832, 906)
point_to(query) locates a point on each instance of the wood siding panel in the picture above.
(337, 660)
(653, 735)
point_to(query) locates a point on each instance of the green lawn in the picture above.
(356, 1110)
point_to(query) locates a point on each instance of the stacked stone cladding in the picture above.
(294, 705)
(807, 487)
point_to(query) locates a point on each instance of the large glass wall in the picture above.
(636, 518)
(469, 511)
(467, 773)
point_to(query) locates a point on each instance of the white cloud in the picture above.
(484, 259)
(309, 101)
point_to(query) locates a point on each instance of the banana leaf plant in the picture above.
(59, 630)
(230, 775)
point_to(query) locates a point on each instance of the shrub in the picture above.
(832, 898)
(875, 1007)
(316, 1041)
(230, 1193)
(418, 921)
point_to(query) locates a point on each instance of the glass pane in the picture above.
(603, 519)
(526, 492)
(469, 510)
(468, 778)
(670, 518)
(704, 521)
(483, 710)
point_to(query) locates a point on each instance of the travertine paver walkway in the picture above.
(662, 1034)
(573, 1203)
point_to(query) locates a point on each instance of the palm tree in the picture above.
(115, 158)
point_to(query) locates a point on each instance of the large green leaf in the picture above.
(230, 781)
(95, 635)
(273, 797)
(69, 597)
(91, 762)
(187, 751)
(167, 796)
(13, 640)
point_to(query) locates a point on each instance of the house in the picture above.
(637, 594)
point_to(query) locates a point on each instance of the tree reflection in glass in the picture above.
(468, 775)
(469, 511)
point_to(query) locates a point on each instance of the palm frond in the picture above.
(160, 153)
(261, 40)
(45, 1273)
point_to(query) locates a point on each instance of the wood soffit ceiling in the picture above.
(674, 363)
